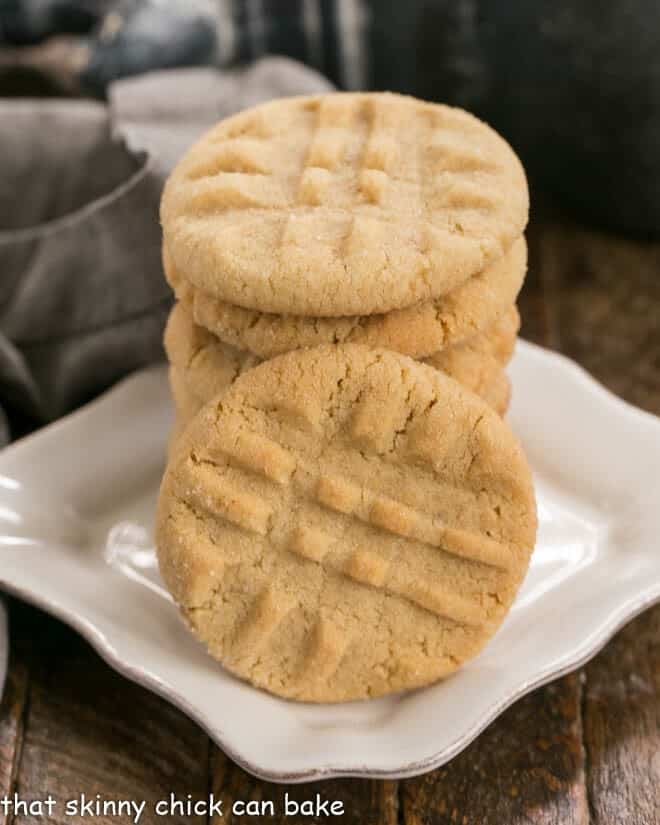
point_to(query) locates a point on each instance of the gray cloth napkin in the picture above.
(82, 296)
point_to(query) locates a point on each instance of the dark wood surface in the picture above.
(585, 749)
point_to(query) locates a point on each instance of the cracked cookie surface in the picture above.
(343, 523)
(344, 204)
(478, 361)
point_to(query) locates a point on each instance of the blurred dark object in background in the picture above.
(143, 35)
(573, 84)
(23, 23)
(82, 47)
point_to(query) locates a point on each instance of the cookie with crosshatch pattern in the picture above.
(419, 330)
(344, 523)
(344, 204)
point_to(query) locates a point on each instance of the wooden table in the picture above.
(585, 749)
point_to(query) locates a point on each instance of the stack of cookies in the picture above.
(346, 270)
(365, 218)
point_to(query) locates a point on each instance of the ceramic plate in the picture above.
(76, 508)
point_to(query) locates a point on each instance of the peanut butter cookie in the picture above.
(344, 522)
(343, 204)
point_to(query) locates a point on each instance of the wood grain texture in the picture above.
(526, 767)
(89, 730)
(12, 710)
(601, 298)
(622, 726)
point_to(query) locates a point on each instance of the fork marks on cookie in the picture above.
(259, 454)
(394, 517)
(206, 489)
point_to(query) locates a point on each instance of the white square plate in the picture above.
(76, 506)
